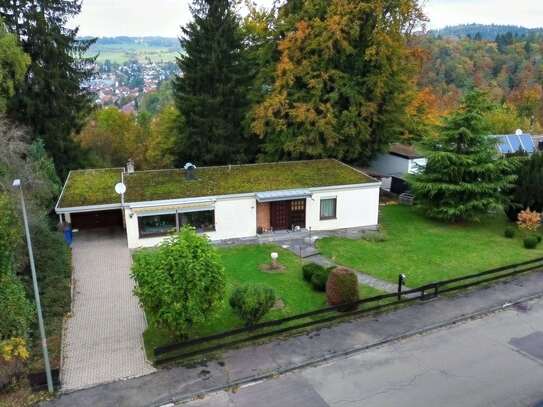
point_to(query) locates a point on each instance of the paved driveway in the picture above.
(102, 341)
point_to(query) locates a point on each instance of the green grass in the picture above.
(91, 187)
(242, 266)
(428, 251)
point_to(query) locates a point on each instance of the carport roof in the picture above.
(86, 188)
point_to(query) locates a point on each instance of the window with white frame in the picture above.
(164, 224)
(328, 208)
(156, 225)
(202, 221)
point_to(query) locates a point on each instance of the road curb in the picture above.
(176, 400)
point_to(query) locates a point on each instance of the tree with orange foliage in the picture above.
(342, 81)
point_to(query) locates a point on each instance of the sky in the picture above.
(107, 18)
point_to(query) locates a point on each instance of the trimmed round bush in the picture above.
(251, 302)
(509, 232)
(342, 288)
(319, 278)
(308, 270)
(530, 242)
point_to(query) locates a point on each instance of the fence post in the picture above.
(401, 279)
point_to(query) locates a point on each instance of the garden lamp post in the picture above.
(17, 184)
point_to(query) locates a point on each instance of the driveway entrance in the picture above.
(102, 341)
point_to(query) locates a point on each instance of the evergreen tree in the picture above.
(211, 91)
(528, 189)
(51, 102)
(463, 178)
(342, 80)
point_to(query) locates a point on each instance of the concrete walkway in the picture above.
(102, 340)
(257, 362)
(306, 248)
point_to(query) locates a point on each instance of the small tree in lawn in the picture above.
(181, 283)
(464, 178)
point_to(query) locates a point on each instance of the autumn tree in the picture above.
(212, 90)
(112, 137)
(341, 80)
(162, 145)
(463, 178)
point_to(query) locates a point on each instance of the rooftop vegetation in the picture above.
(93, 187)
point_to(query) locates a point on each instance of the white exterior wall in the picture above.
(389, 164)
(234, 218)
(355, 207)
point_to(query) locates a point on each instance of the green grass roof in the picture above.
(95, 187)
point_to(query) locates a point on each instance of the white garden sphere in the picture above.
(274, 255)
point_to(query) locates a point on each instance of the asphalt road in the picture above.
(493, 361)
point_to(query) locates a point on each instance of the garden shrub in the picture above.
(17, 310)
(181, 283)
(530, 242)
(529, 220)
(252, 302)
(309, 269)
(319, 278)
(342, 288)
(509, 232)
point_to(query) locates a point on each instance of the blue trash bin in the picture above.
(68, 234)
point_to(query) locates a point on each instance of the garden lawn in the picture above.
(428, 251)
(242, 266)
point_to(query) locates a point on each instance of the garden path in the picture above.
(306, 247)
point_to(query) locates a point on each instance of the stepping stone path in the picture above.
(310, 254)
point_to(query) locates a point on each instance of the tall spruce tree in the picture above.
(464, 178)
(211, 90)
(51, 102)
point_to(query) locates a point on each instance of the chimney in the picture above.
(130, 166)
(190, 171)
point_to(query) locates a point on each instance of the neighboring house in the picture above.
(229, 202)
(515, 143)
(392, 167)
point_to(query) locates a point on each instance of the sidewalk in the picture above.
(258, 362)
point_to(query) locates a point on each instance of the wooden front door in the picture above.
(279, 215)
(297, 213)
(287, 214)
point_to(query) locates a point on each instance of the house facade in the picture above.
(233, 202)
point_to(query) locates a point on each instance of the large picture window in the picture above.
(156, 225)
(328, 208)
(202, 221)
(160, 225)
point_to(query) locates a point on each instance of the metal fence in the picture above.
(223, 340)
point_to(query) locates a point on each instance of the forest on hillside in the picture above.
(509, 68)
(484, 31)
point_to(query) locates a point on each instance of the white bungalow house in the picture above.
(228, 202)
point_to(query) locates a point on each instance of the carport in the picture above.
(96, 219)
(89, 201)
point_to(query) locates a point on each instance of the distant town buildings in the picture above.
(121, 85)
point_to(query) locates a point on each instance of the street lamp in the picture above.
(17, 184)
